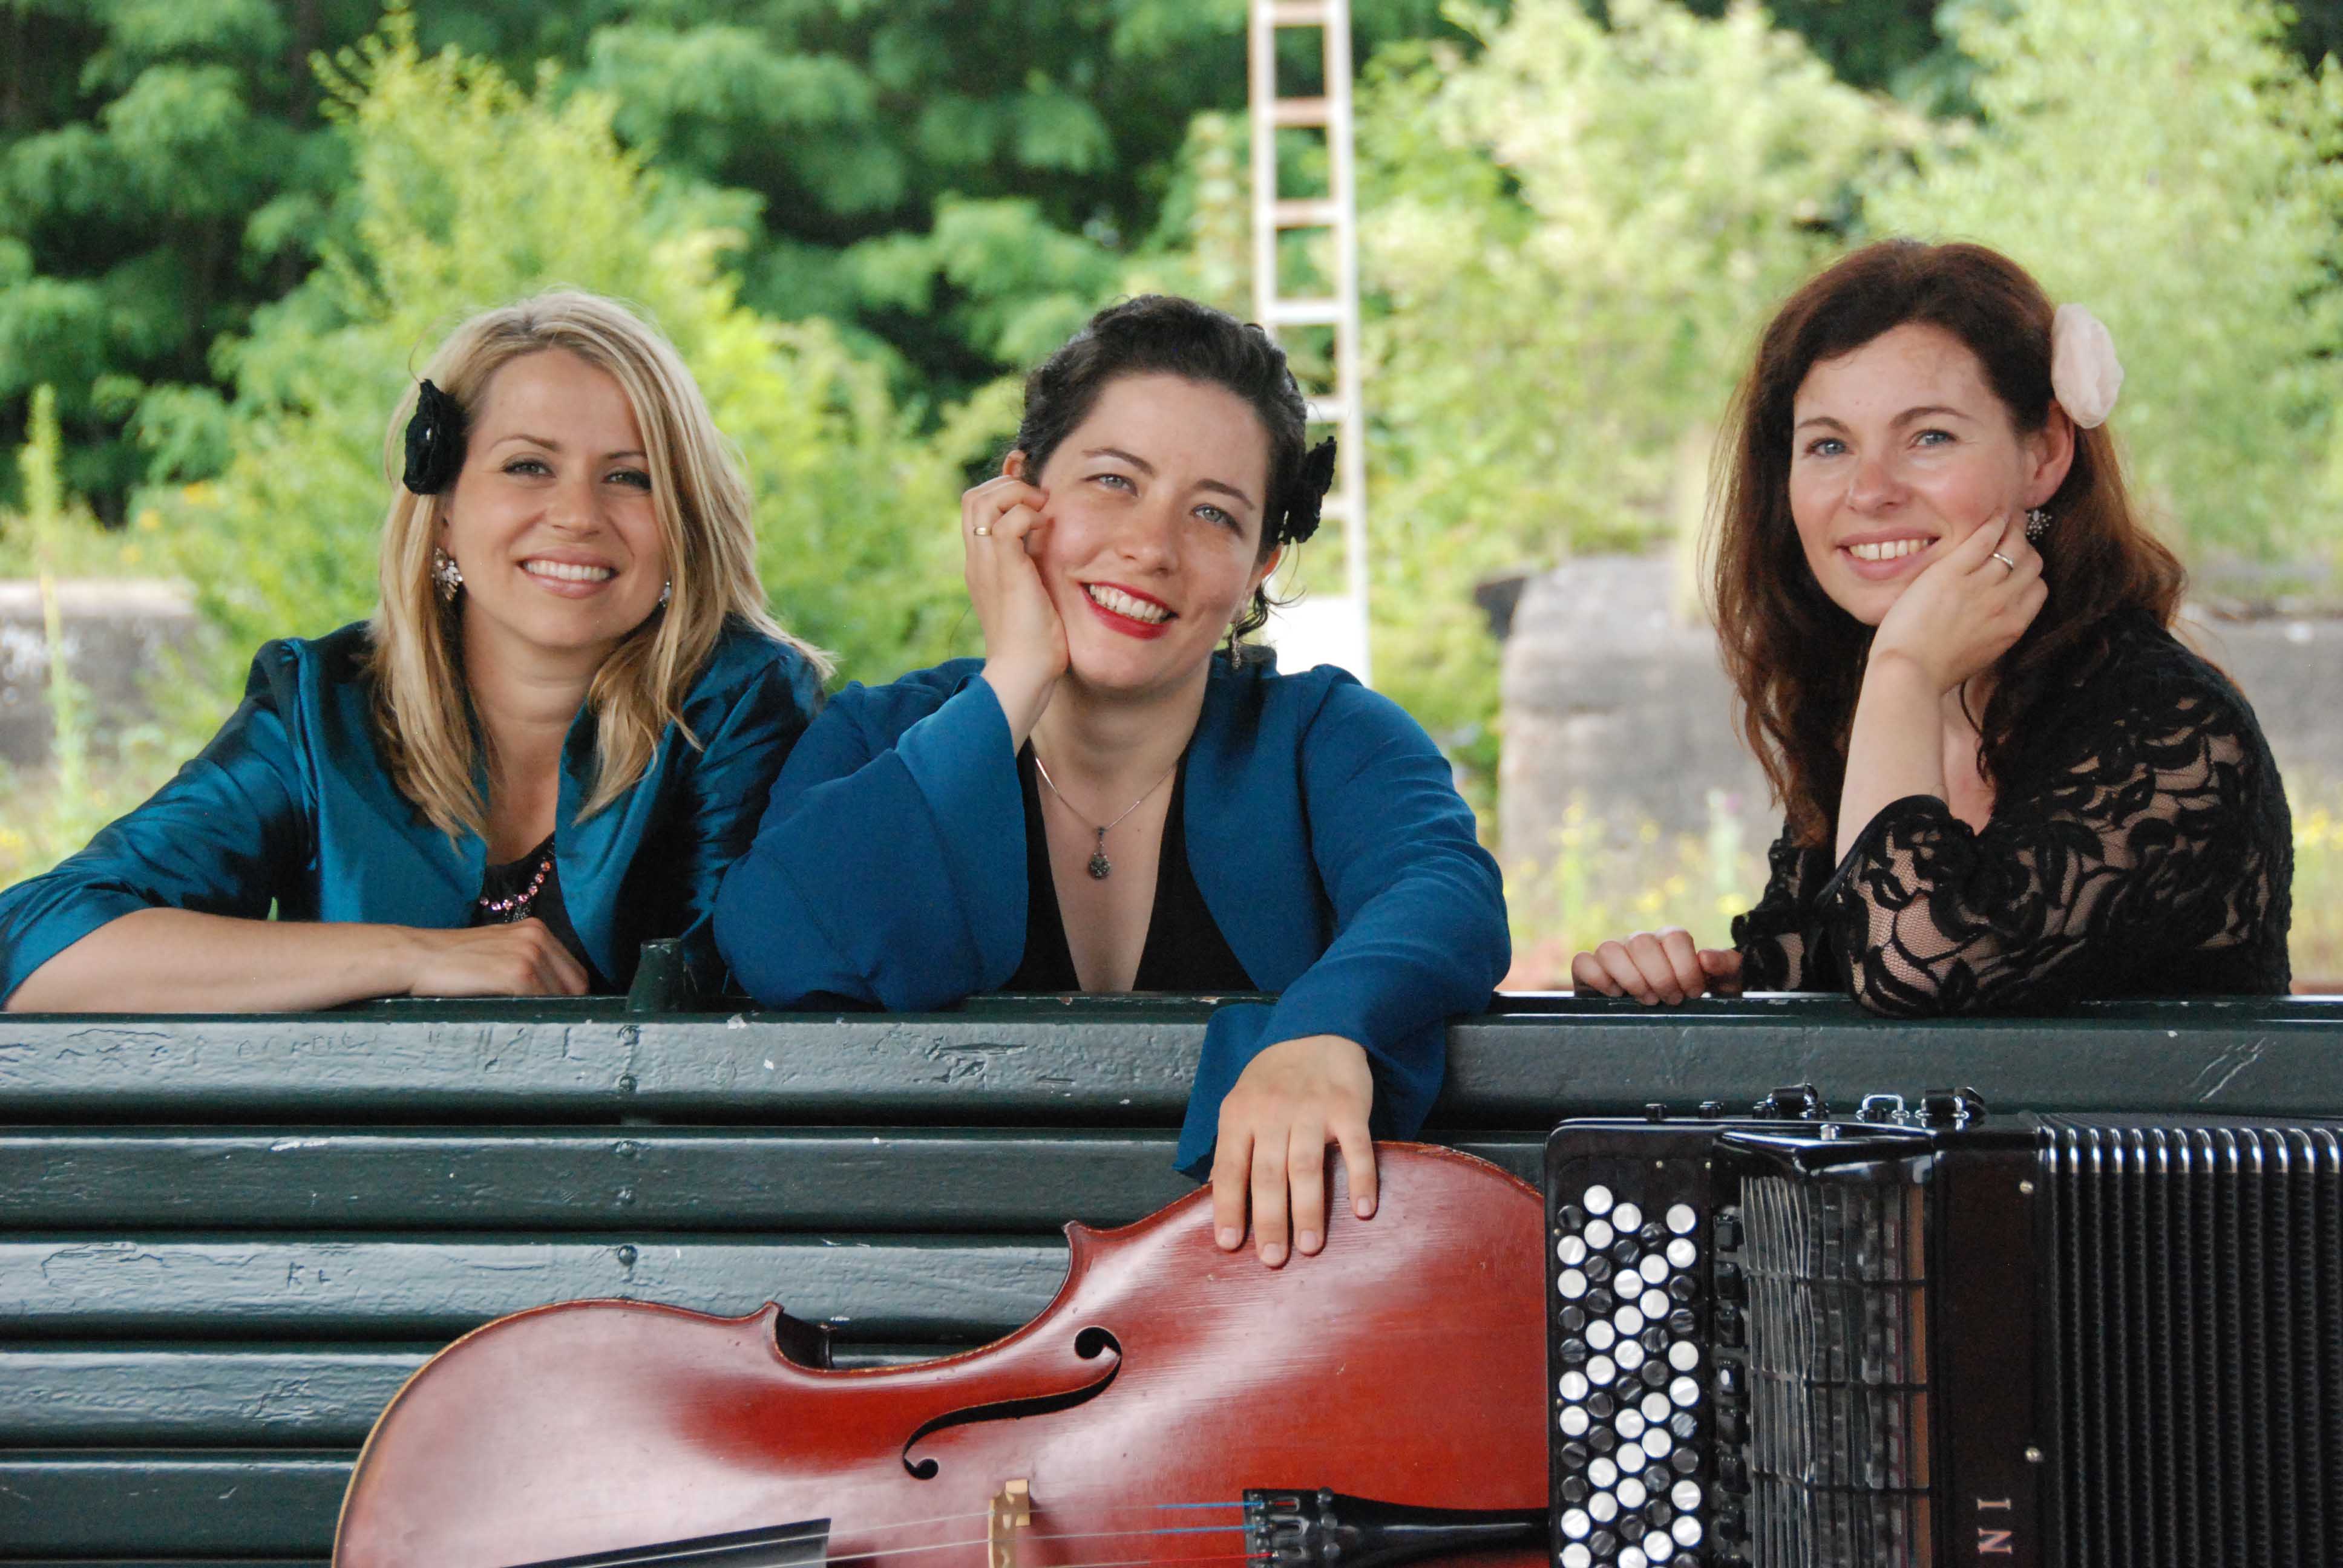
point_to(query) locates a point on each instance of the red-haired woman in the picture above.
(2008, 785)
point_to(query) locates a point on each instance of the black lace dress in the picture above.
(2140, 846)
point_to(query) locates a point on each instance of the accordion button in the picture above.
(1572, 1217)
(1602, 1440)
(1601, 1302)
(1574, 1352)
(1632, 1557)
(1602, 1472)
(1682, 1288)
(1627, 1252)
(1597, 1200)
(1655, 1302)
(1687, 1530)
(1575, 1524)
(1570, 1249)
(1601, 1335)
(1684, 1355)
(1574, 1319)
(1685, 1494)
(1602, 1508)
(1632, 1493)
(1577, 1556)
(1576, 1455)
(1630, 1423)
(1602, 1372)
(1685, 1461)
(1660, 1513)
(1654, 1406)
(1658, 1442)
(1604, 1545)
(1681, 1219)
(1630, 1457)
(1574, 1490)
(1681, 1253)
(1681, 1322)
(1598, 1268)
(1599, 1234)
(1684, 1425)
(1653, 1268)
(1684, 1392)
(1574, 1421)
(1653, 1235)
(1628, 1320)
(1627, 1217)
(1572, 1284)
(1654, 1373)
(1601, 1406)
(1654, 1339)
(1573, 1386)
(1628, 1354)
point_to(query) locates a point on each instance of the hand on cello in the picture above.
(1291, 1101)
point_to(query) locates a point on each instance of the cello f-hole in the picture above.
(1089, 1344)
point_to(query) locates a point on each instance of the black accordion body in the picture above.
(1926, 1338)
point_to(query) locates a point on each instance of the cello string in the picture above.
(1026, 1533)
(1066, 1500)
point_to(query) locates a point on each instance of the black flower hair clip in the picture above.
(435, 442)
(1308, 494)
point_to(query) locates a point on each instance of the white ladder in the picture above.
(1326, 628)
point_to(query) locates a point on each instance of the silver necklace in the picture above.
(1101, 866)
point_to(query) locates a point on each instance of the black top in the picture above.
(499, 883)
(2140, 846)
(1185, 950)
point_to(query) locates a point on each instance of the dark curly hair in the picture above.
(1796, 657)
(1163, 334)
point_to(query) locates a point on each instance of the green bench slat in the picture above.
(148, 1179)
(198, 1395)
(894, 1289)
(122, 1503)
(1050, 1064)
(231, 1396)
(670, 1178)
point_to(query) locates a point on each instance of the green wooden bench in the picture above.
(223, 1243)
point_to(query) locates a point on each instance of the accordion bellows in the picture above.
(2092, 1343)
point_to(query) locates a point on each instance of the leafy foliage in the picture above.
(468, 191)
(1570, 240)
(2174, 169)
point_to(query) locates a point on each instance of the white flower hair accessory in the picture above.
(2085, 374)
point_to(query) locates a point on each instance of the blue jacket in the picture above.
(1323, 829)
(290, 804)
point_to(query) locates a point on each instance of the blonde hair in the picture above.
(705, 524)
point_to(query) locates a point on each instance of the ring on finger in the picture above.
(2005, 560)
(981, 531)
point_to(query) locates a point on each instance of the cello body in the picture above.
(1406, 1361)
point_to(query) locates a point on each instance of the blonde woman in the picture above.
(560, 728)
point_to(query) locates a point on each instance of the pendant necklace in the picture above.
(1101, 866)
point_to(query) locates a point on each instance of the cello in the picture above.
(1175, 1406)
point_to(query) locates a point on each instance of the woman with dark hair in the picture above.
(1105, 802)
(2008, 785)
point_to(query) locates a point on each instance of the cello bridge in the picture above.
(1011, 1510)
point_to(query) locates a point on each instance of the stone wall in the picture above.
(116, 636)
(1613, 694)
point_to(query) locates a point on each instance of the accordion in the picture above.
(1925, 1337)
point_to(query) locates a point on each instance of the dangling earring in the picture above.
(446, 574)
(667, 592)
(2037, 523)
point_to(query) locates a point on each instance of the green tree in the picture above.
(466, 191)
(1569, 240)
(2172, 167)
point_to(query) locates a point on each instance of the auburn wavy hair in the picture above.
(1796, 658)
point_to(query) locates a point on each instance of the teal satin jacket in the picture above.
(290, 804)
